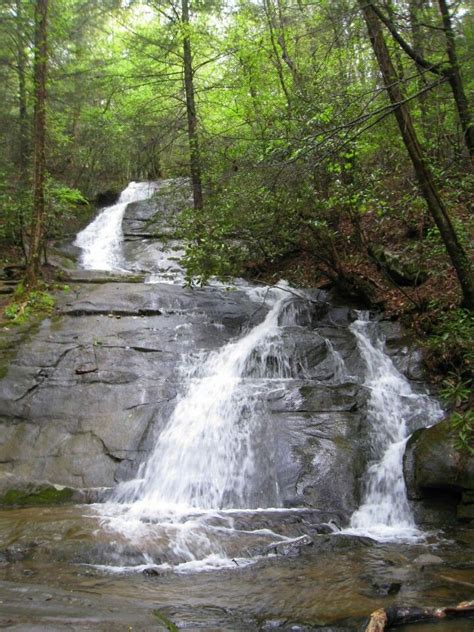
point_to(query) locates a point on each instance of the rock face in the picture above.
(436, 472)
(84, 397)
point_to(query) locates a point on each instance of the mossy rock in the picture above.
(165, 622)
(402, 272)
(432, 460)
(31, 495)
(435, 470)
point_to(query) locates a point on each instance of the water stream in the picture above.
(258, 414)
(394, 412)
(215, 454)
(101, 241)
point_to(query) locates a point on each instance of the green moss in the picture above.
(169, 625)
(32, 495)
(29, 306)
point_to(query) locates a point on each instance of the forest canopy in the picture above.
(337, 136)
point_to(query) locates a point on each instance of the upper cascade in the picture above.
(101, 241)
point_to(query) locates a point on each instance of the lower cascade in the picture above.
(394, 412)
(205, 458)
(212, 457)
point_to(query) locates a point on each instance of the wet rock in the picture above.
(18, 492)
(89, 367)
(106, 198)
(465, 511)
(326, 528)
(288, 626)
(403, 272)
(156, 217)
(29, 494)
(427, 559)
(152, 572)
(340, 542)
(205, 617)
(18, 552)
(382, 589)
(435, 469)
(100, 277)
(290, 547)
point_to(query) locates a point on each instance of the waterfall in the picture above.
(205, 457)
(394, 412)
(216, 453)
(213, 457)
(101, 240)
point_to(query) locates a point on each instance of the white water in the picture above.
(101, 241)
(211, 457)
(216, 452)
(205, 458)
(394, 412)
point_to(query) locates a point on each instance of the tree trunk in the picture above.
(425, 178)
(194, 150)
(22, 107)
(22, 122)
(414, 8)
(269, 13)
(386, 618)
(455, 80)
(452, 73)
(40, 69)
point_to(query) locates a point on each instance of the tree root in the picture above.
(384, 618)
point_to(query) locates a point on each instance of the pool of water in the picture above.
(60, 570)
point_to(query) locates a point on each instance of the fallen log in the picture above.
(384, 618)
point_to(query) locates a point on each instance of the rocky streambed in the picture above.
(86, 396)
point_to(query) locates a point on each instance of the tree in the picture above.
(425, 178)
(194, 152)
(39, 138)
(452, 72)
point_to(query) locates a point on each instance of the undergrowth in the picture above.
(28, 304)
(450, 355)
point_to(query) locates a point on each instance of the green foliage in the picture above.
(455, 391)
(452, 342)
(62, 204)
(232, 231)
(164, 621)
(14, 211)
(28, 305)
(452, 351)
(463, 425)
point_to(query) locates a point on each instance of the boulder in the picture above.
(436, 470)
(402, 271)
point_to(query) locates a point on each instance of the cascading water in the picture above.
(205, 462)
(205, 457)
(215, 455)
(394, 412)
(101, 240)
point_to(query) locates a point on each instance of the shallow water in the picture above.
(47, 581)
